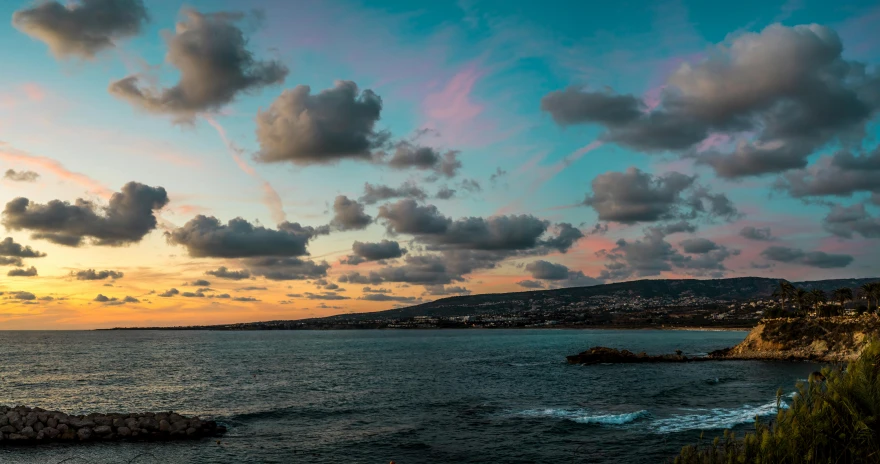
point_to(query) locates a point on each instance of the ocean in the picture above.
(411, 396)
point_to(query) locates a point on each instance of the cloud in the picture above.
(376, 193)
(104, 299)
(8, 247)
(205, 236)
(558, 275)
(444, 193)
(332, 125)
(355, 277)
(407, 155)
(530, 284)
(128, 218)
(90, 274)
(21, 176)
(210, 52)
(349, 215)
(130, 299)
(786, 91)
(846, 222)
(83, 28)
(636, 196)
(286, 268)
(28, 296)
(652, 255)
(192, 295)
(169, 293)
(818, 259)
(366, 251)
(325, 296)
(223, 273)
(244, 298)
(21, 272)
(11, 261)
(203, 282)
(753, 233)
(840, 175)
(386, 297)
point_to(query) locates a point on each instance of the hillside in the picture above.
(734, 289)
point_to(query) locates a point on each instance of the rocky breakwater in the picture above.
(820, 339)
(24, 425)
(603, 355)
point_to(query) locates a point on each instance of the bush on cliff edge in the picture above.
(831, 420)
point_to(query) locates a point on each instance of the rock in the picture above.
(123, 431)
(191, 432)
(13, 416)
(68, 434)
(41, 435)
(118, 422)
(52, 422)
(3, 420)
(51, 433)
(17, 437)
(28, 432)
(31, 419)
(103, 430)
(603, 355)
(103, 420)
(62, 427)
(39, 426)
(84, 433)
(8, 429)
(42, 417)
(164, 426)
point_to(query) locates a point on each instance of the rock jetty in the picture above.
(24, 425)
(603, 355)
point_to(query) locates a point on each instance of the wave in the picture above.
(582, 416)
(717, 418)
(529, 364)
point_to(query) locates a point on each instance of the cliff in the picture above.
(826, 339)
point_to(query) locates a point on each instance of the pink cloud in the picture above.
(43, 163)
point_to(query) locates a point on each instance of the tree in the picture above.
(783, 292)
(842, 295)
(818, 298)
(871, 292)
(801, 298)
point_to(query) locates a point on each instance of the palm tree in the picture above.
(801, 297)
(783, 292)
(871, 292)
(842, 295)
(818, 298)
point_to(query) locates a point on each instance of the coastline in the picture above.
(558, 327)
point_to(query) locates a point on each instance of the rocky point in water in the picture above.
(603, 355)
(25, 425)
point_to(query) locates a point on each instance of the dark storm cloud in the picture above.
(210, 52)
(565, 238)
(22, 272)
(841, 175)
(349, 215)
(21, 176)
(788, 86)
(91, 274)
(818, 259)
(376, 193)
(636, 196)
(81, 28)
(754, 233)
(8, 247)
(847, 221)
(129, 216)
(286, 268)
(366, 251)
(332, 125)
(206, 237)
(409, 156)
(223, 273)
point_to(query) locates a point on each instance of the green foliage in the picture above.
(833, 418)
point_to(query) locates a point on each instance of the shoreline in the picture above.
(598, 327)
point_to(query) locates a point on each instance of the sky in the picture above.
(208, 162)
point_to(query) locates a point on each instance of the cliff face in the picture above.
(828, 339)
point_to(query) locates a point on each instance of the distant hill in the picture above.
(734, 289)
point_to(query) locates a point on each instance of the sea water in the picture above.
(411, 396)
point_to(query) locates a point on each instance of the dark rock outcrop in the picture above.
(25, 425)
(603, 355)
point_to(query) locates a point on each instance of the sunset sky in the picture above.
(169, 163)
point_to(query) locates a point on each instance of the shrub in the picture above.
(833, 418)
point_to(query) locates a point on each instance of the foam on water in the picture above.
(582, 416)
(716, 418)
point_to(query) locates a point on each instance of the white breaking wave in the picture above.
(582, 416)
(718, 418)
